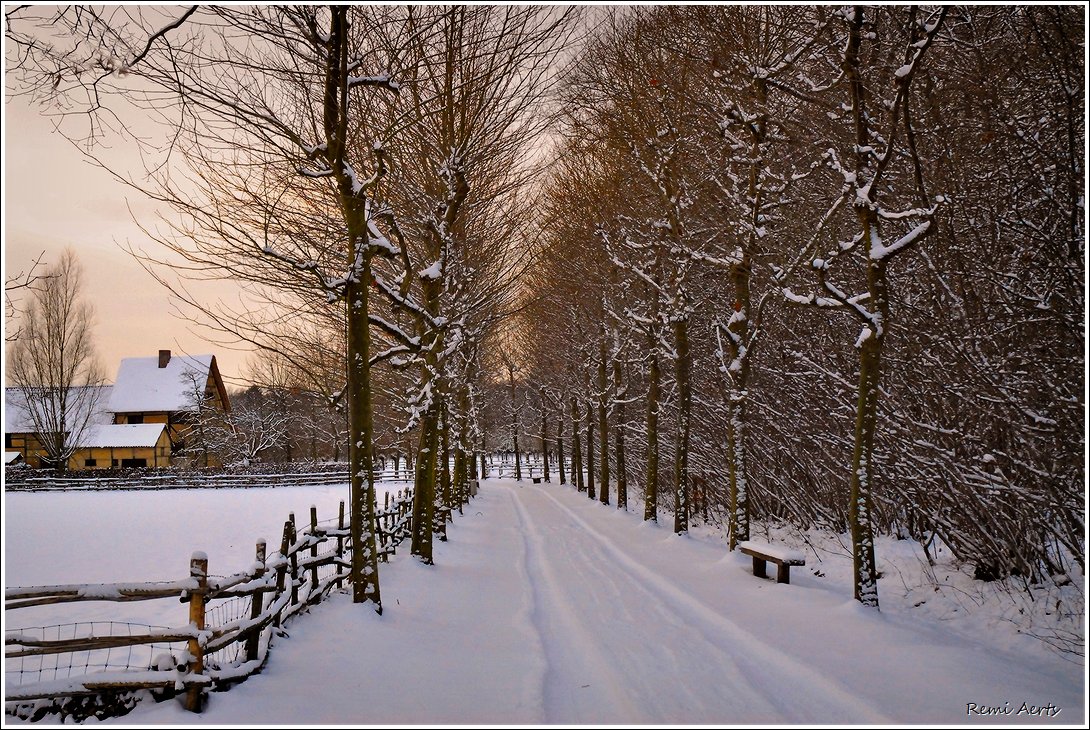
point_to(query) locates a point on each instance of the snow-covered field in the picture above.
(546, 607)
(53, 538)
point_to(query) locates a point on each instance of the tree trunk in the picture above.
(560, 442)
(618, 430)
(866, 419)
(424, 496)
(736, 465)
(443, 498)
(544, 437)
(859, 504)
(590, 450)
(651, 491)
(462, 457)
(576, 450)
(681, 459)
(518, 456)
(445, 480)
(737, 378)
(484, 462)
(603, 427)
(364, 572)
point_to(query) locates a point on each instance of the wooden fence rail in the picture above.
(181, 480)
(310, 563)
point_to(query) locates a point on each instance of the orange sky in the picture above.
(54, 198)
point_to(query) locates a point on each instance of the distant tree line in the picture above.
(824, 266)
(362, 172)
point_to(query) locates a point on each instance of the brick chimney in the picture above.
(164, 358)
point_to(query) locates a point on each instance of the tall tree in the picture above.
(53, 362)
(279, 174)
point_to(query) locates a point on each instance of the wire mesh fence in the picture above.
(38, 668)
(220, 614)
(232, 620)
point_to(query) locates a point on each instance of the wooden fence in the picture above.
(231, 619)
(151, 480)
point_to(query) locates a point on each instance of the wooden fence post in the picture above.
(293, 560)
(313, 552)
(340, 543)
(382, 526)
(282, 569)
(255, 606)
(198, 570)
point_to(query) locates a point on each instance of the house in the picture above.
(125, 446)
(142, 420)
(21, 433)
(169, 389)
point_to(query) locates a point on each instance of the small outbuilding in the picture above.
(123, 446)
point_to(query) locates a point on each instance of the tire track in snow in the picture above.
(563, 694)
(625, 638)
(816, 696)
(529, 612)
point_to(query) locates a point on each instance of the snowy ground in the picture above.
(546, 607)
(53, 538)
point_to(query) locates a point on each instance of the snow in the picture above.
(17, 417)
(864, 335)
(777, 551)
(122, 435)
(142, 386)
(547, 607)
(11, 456)
(878, 251)
(435, 271)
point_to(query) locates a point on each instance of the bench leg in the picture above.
(759, 567)
(783, 573)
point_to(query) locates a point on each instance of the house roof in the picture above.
(10, 457)
(122, 435)
(142, 386)
(17, 417)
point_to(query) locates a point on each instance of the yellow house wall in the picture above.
(148, 417)
(29, 446)
(159, 456)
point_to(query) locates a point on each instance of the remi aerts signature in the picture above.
(1026, 709)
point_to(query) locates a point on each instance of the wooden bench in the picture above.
(537, 480)
(763, 553)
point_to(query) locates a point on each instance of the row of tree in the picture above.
(360, 171)
(834, 255)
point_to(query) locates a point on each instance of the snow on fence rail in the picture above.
(231, 622)
(152, 480)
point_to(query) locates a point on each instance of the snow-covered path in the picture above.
(546, 607)
(632, 639)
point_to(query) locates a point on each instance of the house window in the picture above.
(90, 462)
(7, 440)
(136, 419)
(115, 462)
(134, 463)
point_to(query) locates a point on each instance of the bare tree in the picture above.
(53, 363)
(257, 423)
(271, 163)
(14, 286)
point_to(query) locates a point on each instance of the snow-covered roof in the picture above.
(122, 435)
(142, 386)
(17, 418)
(11, 456)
